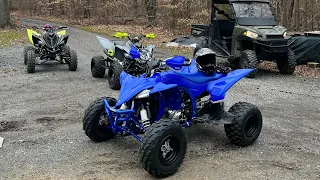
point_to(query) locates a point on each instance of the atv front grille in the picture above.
(275, 42)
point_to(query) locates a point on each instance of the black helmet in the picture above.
(206, 60)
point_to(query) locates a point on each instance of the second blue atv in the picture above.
(162, 102)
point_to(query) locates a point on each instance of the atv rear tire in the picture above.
(163, 148)
(246, 126)
(97, 69)
(92, 121)
(73, 63)
(248, 60)
(114, 72)
(288, 64)
(31, 61)
(25, 52)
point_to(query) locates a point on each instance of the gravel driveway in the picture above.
(41, 121)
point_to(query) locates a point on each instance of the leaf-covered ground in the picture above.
(10, 36)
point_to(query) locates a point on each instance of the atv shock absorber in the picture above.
(144, 117)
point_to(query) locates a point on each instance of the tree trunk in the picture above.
(4, 13)
(298, 23)
(173, 14)
(151, 7)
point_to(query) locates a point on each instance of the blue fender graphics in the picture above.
(162, 87)
(131, 86)
(218, 89)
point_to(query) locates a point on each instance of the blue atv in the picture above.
(160, 103)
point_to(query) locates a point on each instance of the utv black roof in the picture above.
(228, 1)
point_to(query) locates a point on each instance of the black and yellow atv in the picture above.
(47, 46)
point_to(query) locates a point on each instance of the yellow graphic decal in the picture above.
(120, 34)
(30, 33)
(111, 53)
(62, 33)
(151, 36)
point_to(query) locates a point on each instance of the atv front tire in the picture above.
(114, 72)
(248, 60)
(246, 126)
(97, 66)
(25, 52)
(66, 50)
(287, 65)
(73, 63)
(93, 124)
(31, 62)
(163, 148)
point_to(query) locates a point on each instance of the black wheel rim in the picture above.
(251, 126)
(169, 154)
(104, 123)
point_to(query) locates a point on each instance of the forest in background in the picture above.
(296, 15)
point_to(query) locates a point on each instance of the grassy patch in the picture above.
(163, 36)
(11, 36)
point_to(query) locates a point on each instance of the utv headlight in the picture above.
(285, 34)
(251, 34)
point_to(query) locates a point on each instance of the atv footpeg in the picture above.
(227, 118)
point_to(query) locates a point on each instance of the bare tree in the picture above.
(4, 13)
(151, 7)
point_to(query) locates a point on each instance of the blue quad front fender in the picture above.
(218, 88)
(171, 94)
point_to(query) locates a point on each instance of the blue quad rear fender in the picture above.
(218, 88)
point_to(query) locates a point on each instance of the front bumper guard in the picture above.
(119, 120)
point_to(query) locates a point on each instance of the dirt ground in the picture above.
(41, 121)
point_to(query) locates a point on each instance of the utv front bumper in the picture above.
(274, 46)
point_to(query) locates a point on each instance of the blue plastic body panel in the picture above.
(218, 89)
(176, 62)
(134, 53)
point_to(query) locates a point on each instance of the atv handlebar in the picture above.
(60, 27)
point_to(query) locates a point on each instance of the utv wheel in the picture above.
(163, 148)
(287, 65)
(73, 63)
(96, 123)
(114, 72)
(248, 60)
(246, 126)
(31, 61)
(97, 69)
(25, 52)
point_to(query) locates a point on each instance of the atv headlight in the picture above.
(251, 34)
(285, 34)
(143, 94)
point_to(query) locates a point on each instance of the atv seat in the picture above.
(200, 77)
